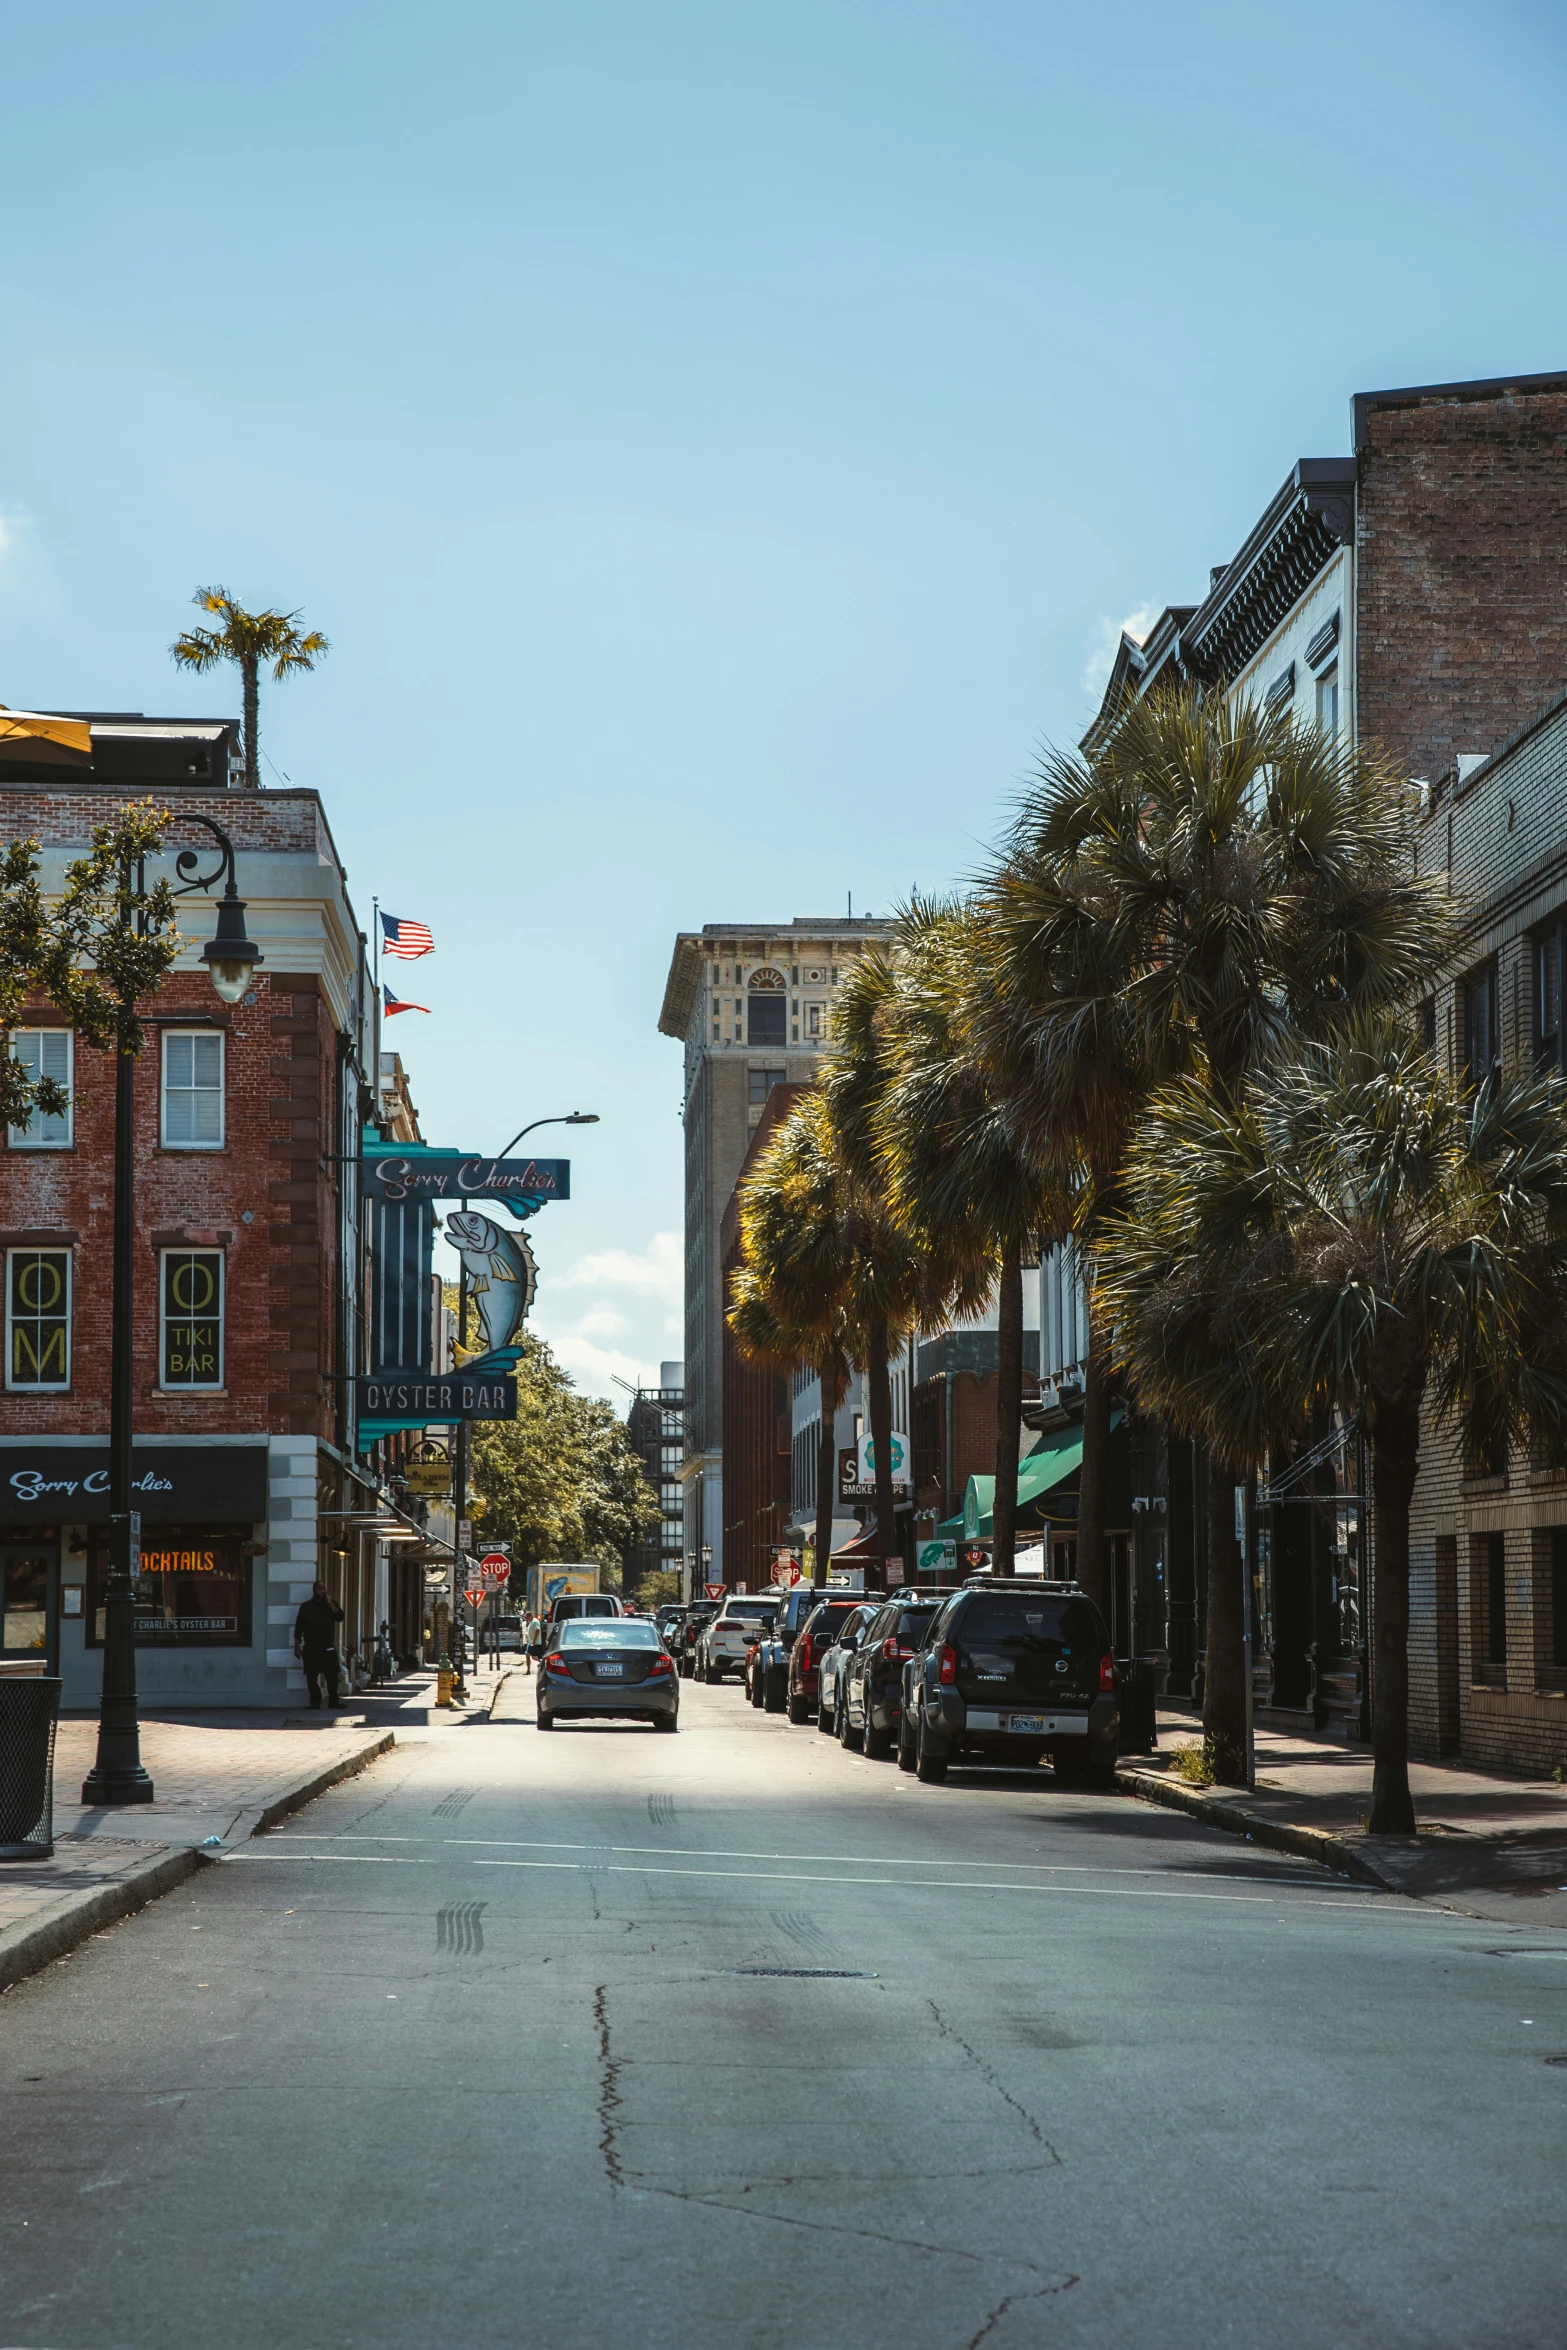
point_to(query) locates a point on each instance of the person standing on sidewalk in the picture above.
(530, 1643)
(315, 1642)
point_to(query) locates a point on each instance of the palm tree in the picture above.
(249, 640)
(1356, 1231)
(958, 1179)
(788, 1301)
(1206, 886)
(896, 1284)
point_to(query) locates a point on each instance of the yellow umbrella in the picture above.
(71, 734)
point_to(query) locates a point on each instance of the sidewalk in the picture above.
(218, 1778)
(1492, 1846)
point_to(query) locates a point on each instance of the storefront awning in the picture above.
(1055, 1457)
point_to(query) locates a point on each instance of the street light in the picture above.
(117, 1776)
(573, 1118)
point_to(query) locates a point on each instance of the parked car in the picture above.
(870, 1686)
(818, 1630)
(508, 1632)
(721, 1648)
(834, 1658)
(597, 1666)
(1013, 1671)
(793, 1606)
(693, 1623)
(753, 1671)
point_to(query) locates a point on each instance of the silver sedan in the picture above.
(615, 1665)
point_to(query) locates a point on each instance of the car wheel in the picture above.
(708, 1675)
(826, 1721)
(848, 1735)
(774, 1692)
(1099, 1772)
(905, 1742)
(799, 1712)
(666, 1721)
(877, 1743)
(546, 1721)
(929, 1767)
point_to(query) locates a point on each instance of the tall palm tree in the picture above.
(1356, 1230)
(251, 640)
(896, 1284)
(789, 1300)
(1207, 885)
(959, 1179)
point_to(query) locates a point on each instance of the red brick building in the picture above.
(757, 1440)
(248, 1266)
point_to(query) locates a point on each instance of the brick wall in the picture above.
(1461, 607)
(267, 1198)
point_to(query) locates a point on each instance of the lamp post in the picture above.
(117, 1776)
(572, 1118)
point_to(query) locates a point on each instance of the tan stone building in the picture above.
(752, 1006)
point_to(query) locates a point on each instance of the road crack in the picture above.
(1040, 2293)
(609, 2094)
(992, 2080)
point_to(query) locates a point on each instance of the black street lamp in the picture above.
(572, 1118)
(117, 1776)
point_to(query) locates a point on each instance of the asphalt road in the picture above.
(733, 2038)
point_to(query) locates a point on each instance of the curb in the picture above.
(31, 1945)
(36, 1941)
(504, 1682)
(1280, 1835)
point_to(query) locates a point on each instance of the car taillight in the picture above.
(947, 1667)
(804, 1652)
(891, 1650)
(556, 1663)
(1107, 1672)
(659, 1665)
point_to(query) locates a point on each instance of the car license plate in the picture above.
(1027, 1722)
(610, 1672)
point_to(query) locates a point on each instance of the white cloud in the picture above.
(1100, 661)
(615, 1313)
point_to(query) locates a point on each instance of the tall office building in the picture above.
(752, 1005)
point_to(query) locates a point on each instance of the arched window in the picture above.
(767, 1008)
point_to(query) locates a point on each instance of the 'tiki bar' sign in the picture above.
(412, 1398)
(416, 1172)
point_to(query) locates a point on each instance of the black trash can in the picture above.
(29, 1709)
(1136, 1684)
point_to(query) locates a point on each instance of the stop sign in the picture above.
(495, 1567)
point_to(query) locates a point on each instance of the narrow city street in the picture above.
(733, 2037)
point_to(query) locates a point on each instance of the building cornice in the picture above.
(1489, 387)
(1293, 541)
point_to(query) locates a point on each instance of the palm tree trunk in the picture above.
(1224, 1676)
(1009, 1407)
(252, 727)
(1395, 1456)
(1093, 1480)
(832, 1383)
(881, 1438)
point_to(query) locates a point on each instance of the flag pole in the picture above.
(375, 1075)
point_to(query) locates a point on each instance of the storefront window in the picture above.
(193, 1590)
(24, 1586)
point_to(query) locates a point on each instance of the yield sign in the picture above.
(715, 1590)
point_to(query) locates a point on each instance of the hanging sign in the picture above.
(525, 1185)
(432, 1479)
(455, 1395)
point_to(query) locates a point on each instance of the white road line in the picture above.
(869, 1860)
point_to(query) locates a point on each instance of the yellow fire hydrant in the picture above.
(445, 1679)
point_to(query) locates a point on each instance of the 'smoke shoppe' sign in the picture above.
(454, 1395)
(53, 1484)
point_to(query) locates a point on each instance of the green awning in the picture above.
(1055, 1457)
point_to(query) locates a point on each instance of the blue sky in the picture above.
(721, 442)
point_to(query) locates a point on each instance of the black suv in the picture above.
(771, 1665)
(1012, 1671)
(870, 1687)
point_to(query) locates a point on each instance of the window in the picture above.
(193, 1089)
(1425, 1016)
(190, 1348)
(194, 1589)
(1559, 1595)
(762, 1081)
(38, 1317)
(1482, 1024)
(813, 1022)
(1548, 958)
(1488, 1605)
(24, 1587)
(769, 1007)
(1327, 700)
(44, 1052)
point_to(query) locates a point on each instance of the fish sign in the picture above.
(502, 1276)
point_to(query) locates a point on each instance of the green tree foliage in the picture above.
(90, 952)
(252, 641)
(1359, 1233)
(562, 1480)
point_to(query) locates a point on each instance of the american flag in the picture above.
(408, 939)
(396, 1003)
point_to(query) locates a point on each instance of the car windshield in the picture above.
(1006, 1619)
(624, 1632)
(749, 1611)
(915, 1622)
(830, 1622)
